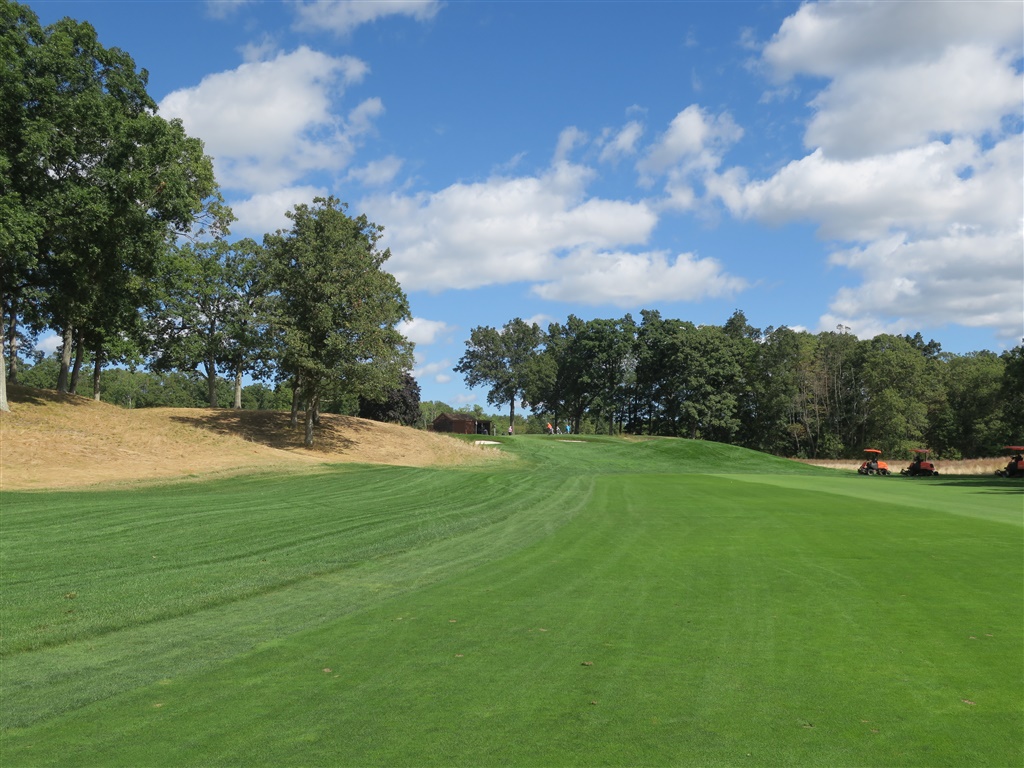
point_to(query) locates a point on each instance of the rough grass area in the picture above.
(50, 440)
(604, 602)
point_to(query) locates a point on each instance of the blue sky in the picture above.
(812, 164)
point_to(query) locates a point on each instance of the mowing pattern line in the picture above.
(636, 612)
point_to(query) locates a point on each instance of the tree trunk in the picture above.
(4, 407)
(12, 338)
(512, 415)
(211, 382)
(577, 420)
(65, 359)
(97, 368)
(238, 387)
(312, 406)
(76, 369)
(295, 402)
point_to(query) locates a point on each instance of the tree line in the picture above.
(114, 234)
(132, 387)
(778, 390)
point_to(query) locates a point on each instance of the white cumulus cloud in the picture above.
(423, 332)
(503, 230)
(914, 161)
(901, 73)
(634, 279)
(269, 122)
(830, 39)
(924, 190)
(876, 109)
(265, 213)
(694, 140)
(976, 280)
(688, 151)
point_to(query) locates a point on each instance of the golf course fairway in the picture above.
(594, 602)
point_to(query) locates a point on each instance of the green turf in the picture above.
(608, 602)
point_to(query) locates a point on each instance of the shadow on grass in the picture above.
(979, 483)
(335, 434)
(17, 393)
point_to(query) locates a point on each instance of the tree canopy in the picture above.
(333, 306)
(504, 360)
(399, 406)
(114, 235)
(793, 393)
(93, 183)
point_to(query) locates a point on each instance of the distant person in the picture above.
(510, 430)
(550, 430)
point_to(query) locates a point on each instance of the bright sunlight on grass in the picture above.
(604, 602)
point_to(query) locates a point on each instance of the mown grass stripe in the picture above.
(723, 620)
(206, 615)
(571, 615)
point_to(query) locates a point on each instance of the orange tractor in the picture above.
(1016, 466)
(873, 464)
(920, 466)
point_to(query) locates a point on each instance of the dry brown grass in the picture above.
(50, 440)
(967, 467)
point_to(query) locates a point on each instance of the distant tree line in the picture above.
(133, 387)
(113, 233)
(786, 392)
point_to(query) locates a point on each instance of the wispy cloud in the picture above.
(341, 18)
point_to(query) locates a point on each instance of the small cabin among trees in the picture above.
(461, 424)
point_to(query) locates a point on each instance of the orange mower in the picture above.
(920, 466)
(1016, 466)
(873, 464)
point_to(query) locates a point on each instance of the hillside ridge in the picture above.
(50, 440)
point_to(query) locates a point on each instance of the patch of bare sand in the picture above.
(62, 441)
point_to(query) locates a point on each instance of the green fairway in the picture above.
(604, 602)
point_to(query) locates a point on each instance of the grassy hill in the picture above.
(50, 440)
(647, 454)
(602, 602)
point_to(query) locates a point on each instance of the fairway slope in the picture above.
(519, 614)
(600, 601)
(612, 455)
(49, 440)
